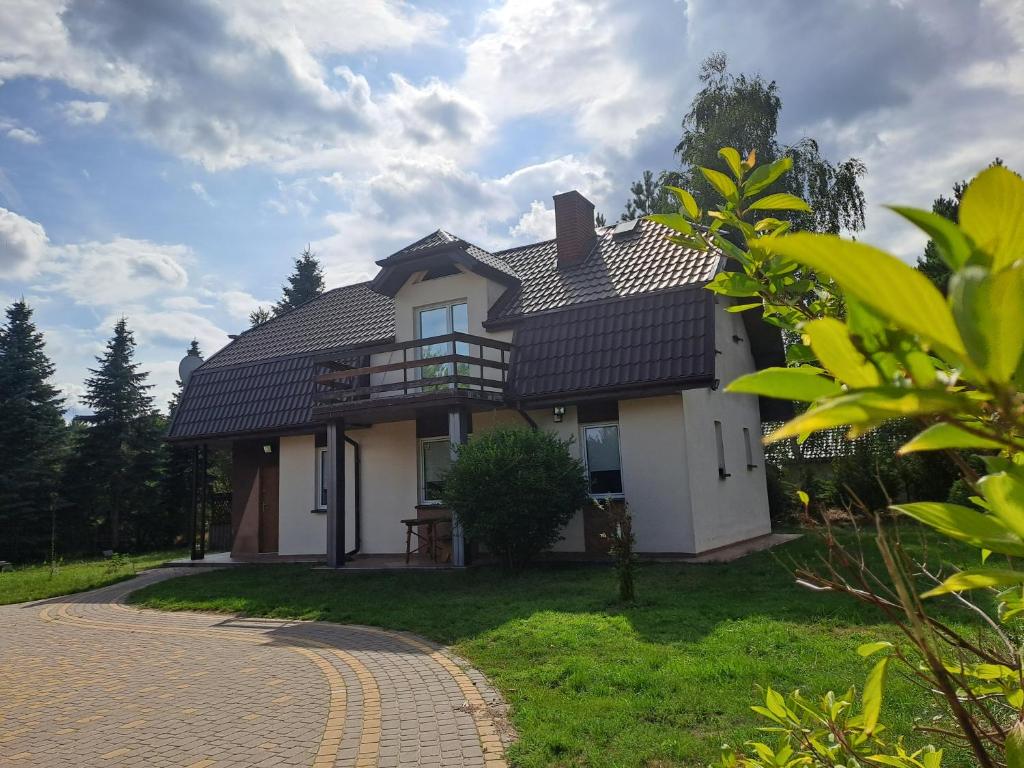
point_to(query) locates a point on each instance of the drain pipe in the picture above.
(358, 464)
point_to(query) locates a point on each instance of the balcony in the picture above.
(390, 382)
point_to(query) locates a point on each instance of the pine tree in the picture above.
(305, 283)
(33, 432)
(649, 196)
(259, 316)
(123, 427)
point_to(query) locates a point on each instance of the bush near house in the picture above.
(514, 490)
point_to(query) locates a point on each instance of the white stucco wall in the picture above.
(389, 458)
(735, 508)
(655, 480)
(300, 530)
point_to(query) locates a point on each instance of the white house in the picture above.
(341, 414)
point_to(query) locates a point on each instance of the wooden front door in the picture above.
(268, 507)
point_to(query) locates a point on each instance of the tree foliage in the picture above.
(305, 283)
(514, 490)
(742, 111)
(113, 479)
(32, 431)
(879, 343)
(930, 262)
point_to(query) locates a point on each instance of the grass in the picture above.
(592, 682)
(35, 582)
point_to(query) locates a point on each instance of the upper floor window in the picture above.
(440, 320)
(601, 457)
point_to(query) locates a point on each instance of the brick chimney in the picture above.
(574, 228)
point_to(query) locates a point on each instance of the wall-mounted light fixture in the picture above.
(268, 448)
(557, 413)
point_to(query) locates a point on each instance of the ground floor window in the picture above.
(601, 456)
(321, 478)
(435, 461)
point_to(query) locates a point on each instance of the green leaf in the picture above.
(953, 245)
(734, 284)
(780, 201)
(725, 186)
(831, 342)
(674, 221)
(686, 201)
(733, 160)
(868, 649)
(989, 312)
(964, 524)
(1004, 492)
(1015, 746)
(743, 307)
(872, 698)
(939, 437)
(805, 499)
(977, 578)
(804, 384)
(992, 215)
(880, 281)
(765, 175)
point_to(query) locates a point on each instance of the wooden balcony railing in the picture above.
(454, 362)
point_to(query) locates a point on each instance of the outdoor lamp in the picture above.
(557, 413)
(268, 448)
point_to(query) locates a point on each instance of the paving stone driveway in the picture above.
(86, 680)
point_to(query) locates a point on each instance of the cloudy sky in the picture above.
(165, 160)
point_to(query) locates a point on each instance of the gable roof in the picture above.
(572, 333)
(352, 314)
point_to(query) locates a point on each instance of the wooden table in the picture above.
(426, 541)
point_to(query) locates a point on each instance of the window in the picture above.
(321, 478)
(750, 449)
(439, 321)
(435, 461)
(720, 446)
(601, 456)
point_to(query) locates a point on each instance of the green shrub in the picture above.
(514, 490)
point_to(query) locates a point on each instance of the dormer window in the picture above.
(441, 320)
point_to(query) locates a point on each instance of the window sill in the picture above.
(318, 511)
(608, 496)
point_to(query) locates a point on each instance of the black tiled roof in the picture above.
(654, 339)
(268, 395)
(263, 380)
(352, 314)
(618, 266)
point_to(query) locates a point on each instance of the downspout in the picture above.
(358, 462)
(526, 416)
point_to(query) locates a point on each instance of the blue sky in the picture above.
(165, 161)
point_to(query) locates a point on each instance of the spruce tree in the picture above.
(305, 283)
(124, 426)
(33, 432)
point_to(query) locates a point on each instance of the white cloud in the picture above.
(85, 112)
(23, 245)
(116, 273)
(16, 131)
(538, 223)
(238, 304)
(579, 59)
(202, 194)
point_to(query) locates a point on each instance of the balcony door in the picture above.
(441, 320)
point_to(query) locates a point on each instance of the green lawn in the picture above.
(591, 682)
(35, 582)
